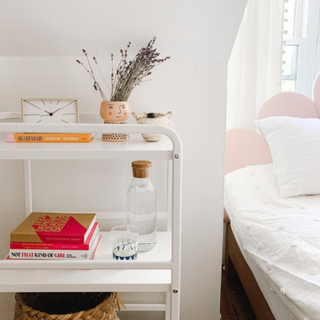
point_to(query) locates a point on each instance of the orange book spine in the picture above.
(49, 137)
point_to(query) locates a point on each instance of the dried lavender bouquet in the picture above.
(128, 74)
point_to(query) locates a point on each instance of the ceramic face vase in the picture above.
(115, 112)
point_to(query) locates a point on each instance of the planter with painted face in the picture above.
(115, 112)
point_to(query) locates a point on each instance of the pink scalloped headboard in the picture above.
(246, 147)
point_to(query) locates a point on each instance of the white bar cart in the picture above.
(156, 271)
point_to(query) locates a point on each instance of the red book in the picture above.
(54, 228)
(59, 246)
(90, 255)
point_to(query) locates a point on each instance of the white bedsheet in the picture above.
(282, 235)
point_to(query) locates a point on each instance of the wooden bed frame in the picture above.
(245, 147)
(235, 262)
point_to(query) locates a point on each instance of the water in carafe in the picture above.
(142, 205)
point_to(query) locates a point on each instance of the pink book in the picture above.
(59, 246)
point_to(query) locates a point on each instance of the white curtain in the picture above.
(254, 69)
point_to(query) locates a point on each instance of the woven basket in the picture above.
(161, 119)
(107, 310)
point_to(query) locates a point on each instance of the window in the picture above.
(300, 32)
(289, 67)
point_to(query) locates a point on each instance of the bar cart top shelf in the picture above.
(97, 149)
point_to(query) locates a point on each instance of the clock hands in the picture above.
(52, 113)
(56, 111)
(59, 108)
(49, 113)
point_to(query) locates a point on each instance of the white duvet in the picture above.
(282, 235)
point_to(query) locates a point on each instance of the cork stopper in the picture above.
(140, 168)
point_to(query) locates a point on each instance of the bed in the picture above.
(290, 287)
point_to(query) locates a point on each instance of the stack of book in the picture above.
(56, 236)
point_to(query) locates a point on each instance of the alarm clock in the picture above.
(55, 110)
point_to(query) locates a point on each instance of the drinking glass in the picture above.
(124, 241)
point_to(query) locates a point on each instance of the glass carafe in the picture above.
(142, 205)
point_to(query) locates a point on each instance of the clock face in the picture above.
(50, 111)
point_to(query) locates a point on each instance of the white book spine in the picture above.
(49, 254)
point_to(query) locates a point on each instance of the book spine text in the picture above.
(29, 254)
(48, 137)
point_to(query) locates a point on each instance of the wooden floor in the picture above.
(234, 302)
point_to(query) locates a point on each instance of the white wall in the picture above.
(40, 41)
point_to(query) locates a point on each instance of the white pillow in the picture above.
(295, 148)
